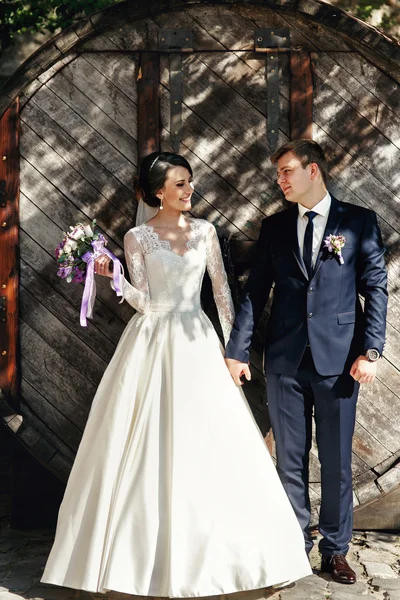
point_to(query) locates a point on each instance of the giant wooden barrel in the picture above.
(88, 107)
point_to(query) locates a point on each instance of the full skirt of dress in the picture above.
(173, 492)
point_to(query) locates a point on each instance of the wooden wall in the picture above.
(79, 154)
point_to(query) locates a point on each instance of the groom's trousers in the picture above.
(292, 401)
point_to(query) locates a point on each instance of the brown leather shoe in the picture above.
(339, 568)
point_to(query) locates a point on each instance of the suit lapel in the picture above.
(292, 236)
(332, 227)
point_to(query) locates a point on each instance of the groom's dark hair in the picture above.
(307, 152)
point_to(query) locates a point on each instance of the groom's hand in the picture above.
(237, 369)
(363, 370)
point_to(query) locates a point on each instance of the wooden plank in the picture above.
(256, 183)
(367, 447)
(381, 513)
(220, 153)
(304, 33)
(210, 186)
(217, 104)
(73, 186)
(347, 169)
(105, 321)
(121, 70)
(41, 195)
(234, 174)
(140, 35)
(387, 464)
(301, 96)
(213, 27)
(359, 466)
(70, 380)
(148, 104)
(358, 96)
(58, 66)
(79, 159)
(392, 347)
(378, 423)
(390, 480)
(104, 94)
(60, 466)
(246, 75)
(390, 236)
(356, 135)
(367, 492)
(45, 232)
(144, 35)
(60, 338)
(9, 277)
(63, 428)
(371, 78)
(43, 435)
(87, 137)
(75, 413)
(389, 376)
(382, 401)
(94, 116)
(65, 312)
(36, 84)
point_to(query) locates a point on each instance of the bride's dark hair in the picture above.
(153, 173)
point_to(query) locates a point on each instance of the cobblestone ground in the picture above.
(374, 556)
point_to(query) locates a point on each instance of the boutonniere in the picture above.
(334, 245)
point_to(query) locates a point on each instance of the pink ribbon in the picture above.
(89, 292)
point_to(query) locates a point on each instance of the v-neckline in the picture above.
(166, 244)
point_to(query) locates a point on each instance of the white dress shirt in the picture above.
(319, 222)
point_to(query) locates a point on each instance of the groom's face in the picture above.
(294, 181)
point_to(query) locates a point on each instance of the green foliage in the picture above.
(20, 16)
(365, 7)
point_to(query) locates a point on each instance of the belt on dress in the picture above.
(182, 307)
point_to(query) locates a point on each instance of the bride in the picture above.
(173, 492)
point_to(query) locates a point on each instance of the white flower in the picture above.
(73, 244)
(88, 231)
(77, 233)
(67, 249)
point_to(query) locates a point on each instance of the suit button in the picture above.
(310, 289)
(309, 315)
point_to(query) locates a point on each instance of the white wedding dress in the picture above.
(173, 492)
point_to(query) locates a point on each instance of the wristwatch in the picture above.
(372, 354)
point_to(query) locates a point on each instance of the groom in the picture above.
(320, 344)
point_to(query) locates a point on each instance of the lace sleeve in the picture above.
(220, 286)
(136, 294)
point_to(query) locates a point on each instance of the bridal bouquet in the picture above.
(76, 255)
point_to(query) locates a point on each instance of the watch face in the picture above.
(372, 354)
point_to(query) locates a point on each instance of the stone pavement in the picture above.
(374, 556)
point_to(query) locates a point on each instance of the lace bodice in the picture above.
(164, 281)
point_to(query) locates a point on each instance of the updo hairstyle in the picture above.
(153, 173)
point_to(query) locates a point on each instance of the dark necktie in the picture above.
(308, 242)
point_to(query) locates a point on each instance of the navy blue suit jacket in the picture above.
(326, 311)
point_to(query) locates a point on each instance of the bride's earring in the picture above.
(161, 204)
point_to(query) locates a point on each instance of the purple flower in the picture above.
(63, 272)
(59, 250)
(79, 276)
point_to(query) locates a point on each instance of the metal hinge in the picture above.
(268, 41)
(175, 41)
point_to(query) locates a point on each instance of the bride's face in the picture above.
(178, 189)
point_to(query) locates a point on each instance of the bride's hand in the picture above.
(102, 266)
(237, 370)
